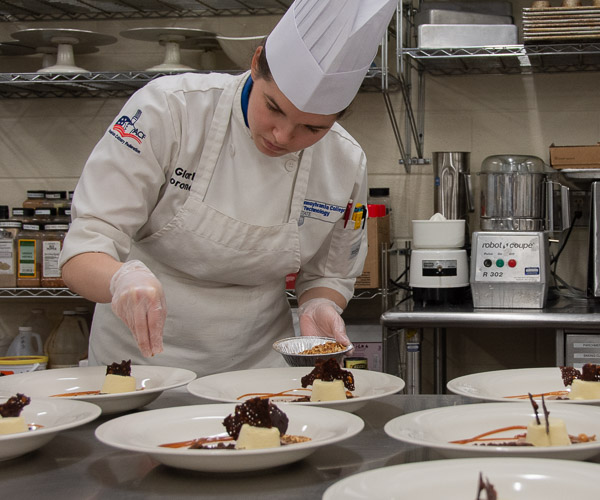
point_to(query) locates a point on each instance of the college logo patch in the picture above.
(321, 211)
(125, 130)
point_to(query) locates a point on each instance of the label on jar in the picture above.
(7, 257)
(27, 264)
(50, 255)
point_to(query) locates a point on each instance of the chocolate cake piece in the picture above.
(14, 405)
(329, 371)
(123, 368)
(589, 373)
(256, 412)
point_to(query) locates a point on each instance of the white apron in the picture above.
(224, 280)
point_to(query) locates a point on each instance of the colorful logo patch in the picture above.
(124, 130)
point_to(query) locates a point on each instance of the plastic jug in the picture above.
(26, 343)
(68, 343)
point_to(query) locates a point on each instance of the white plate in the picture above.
(152, 380)
(145, 431)
(513, 479)
(497, 385)
(435, 428)
(54, 415)
(228, 387)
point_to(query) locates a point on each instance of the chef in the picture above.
(208, 189)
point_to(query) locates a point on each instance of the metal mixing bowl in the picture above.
(291, 347)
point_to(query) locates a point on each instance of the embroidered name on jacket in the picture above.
(124, 130)
(321, 211)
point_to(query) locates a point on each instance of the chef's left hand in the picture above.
(321, 318)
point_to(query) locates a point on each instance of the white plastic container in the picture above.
(10, 365)
(438, 233)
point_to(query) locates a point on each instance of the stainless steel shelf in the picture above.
(45, 293)
(511, 59)
(83, 10)
(114, 84)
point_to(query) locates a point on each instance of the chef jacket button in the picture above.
(290, 165)
(232, 150)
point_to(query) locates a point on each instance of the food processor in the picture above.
(510, 264)
(439, 268)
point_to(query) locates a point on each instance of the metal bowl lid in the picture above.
(524, 164)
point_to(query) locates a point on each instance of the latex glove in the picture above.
(138, 299)
(321, 318)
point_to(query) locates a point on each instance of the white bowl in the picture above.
(145, 431)
(237, 386)
(53, 415)
(436, 428)
(240, 49)
(457, 479)
(438, 233)
(151, 382)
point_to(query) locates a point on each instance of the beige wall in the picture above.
(45, 142)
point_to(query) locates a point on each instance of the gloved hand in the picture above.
(321, 318)
(138, 299)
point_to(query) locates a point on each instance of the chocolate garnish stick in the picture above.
(546, 415)
(535, 408)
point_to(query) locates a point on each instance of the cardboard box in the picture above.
(378, 232)
(575, 156)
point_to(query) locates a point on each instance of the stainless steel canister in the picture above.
(513, 193)
(453, 194)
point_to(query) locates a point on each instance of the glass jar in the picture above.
(29, 255)
(23, 215)
(52, 242)
(64, 215)
(35, 198)
(55, 199)
(68, 342)
(8, 252)
(45, 214)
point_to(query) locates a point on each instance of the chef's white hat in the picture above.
(321, 50)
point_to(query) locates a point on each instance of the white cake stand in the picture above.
(50, 54)
(61, 41)
(173, 39)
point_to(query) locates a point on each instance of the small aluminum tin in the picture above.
(290, 348)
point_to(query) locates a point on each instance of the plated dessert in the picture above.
(502, 429)
(117, 380)
(328, 380)
(254, 425)
(178, 427)
(11, 421)
(580, 385)
(86, 384)
(557, 384)
(284, 385)
(549, 432)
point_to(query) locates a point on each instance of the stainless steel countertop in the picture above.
(76, 465)
(558, 313)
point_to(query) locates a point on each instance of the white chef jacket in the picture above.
(223, 271)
